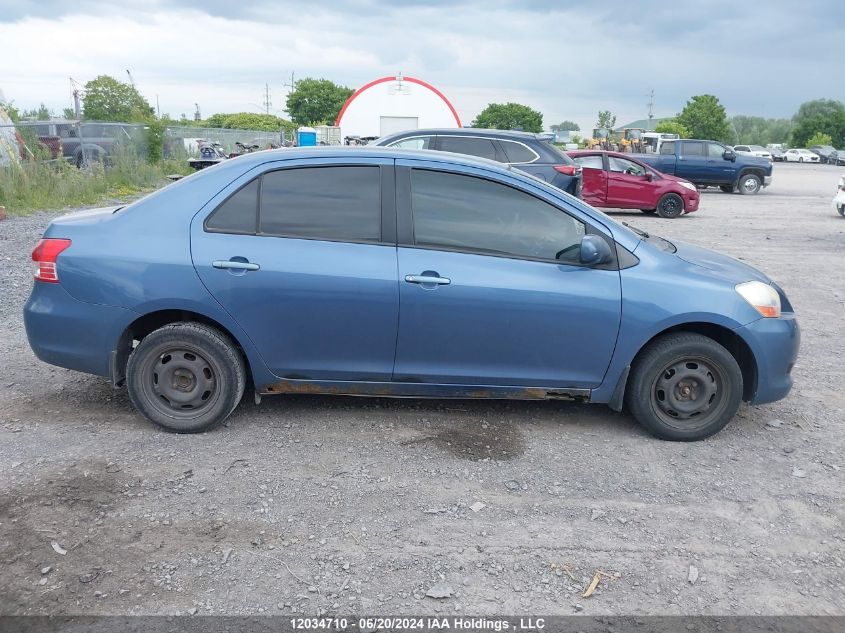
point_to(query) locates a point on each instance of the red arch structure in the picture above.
(412, 80)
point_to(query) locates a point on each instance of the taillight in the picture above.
(569, 170)
(44, 255)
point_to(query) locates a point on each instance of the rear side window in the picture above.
(668, 147)
(692, 148)
(325, 203)
(238, 214)
(464, 213)
(472, 146)
(517, 152)
(589, 162)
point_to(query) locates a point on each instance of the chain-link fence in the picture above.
(83, 142)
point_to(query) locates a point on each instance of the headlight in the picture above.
(762, 297)
(688, 185)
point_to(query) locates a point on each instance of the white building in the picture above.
(393, 104)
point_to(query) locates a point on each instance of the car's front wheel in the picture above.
(841, 209)
(684, 387)
(671, 205)
(749, 184)
(186, 377)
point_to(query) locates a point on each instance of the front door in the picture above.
(491, 289)
(302, 261)
(628, 186)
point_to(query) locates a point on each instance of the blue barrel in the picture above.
(306, 137)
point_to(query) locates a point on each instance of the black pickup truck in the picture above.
(708, 163)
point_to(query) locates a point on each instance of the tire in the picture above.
(668, 371)
(727, 188)
(670, 205)
(649, 211)
(749, 184)
(800, 159)
(205, 371)
(841, 209)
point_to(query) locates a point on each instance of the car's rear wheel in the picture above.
(671, 205)
(749, 184)
(684, 387)
(186, 377)
(727, 188)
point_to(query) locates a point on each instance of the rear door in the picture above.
(304, 258)
(691, 161)
(593, 178)
(491, 290)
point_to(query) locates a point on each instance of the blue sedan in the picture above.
(386, 272)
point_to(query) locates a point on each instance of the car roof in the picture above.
(367, 151)
(582, 152)
(470, 131)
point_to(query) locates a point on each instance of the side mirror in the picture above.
(648, 176)
(729, 155)
(594, 251)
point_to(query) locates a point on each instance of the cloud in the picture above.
(566, 60)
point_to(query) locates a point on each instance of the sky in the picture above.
(567, 59)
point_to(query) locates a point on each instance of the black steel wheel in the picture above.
(684, 387)
(185, 377)
(671, 205)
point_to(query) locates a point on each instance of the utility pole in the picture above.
(197, 115)
(650, 108)
(267, 102)
(76, 91)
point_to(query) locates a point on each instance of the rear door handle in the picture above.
(425, 279)
(228, 264)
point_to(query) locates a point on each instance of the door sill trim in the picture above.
(424, 390)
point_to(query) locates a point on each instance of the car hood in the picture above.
(727, 267)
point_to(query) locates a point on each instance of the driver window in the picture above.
(714, 150)
(465, 213)
(625, 166)
(417, 142)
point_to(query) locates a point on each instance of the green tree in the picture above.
(509, 116)
(671, 126)
(41, 113)
(819, 138)
(756, 130)
(565, 126)
(107, 99)
(253, 121)
(704, 117)
(11, 110)
(68, 113)
(606, 120)
(316, 101)
(826, 116)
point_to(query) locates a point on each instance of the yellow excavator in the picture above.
(601, 139)
(632, 140)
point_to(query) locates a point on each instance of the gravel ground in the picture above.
(327, 504)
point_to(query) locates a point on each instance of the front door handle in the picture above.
(425, 279)
(233, 264)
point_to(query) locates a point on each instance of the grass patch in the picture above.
(33, 186)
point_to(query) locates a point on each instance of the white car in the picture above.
(800, 156)
(839, 200)
(753, 150)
